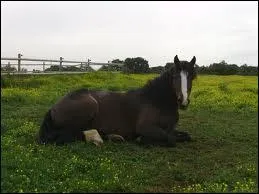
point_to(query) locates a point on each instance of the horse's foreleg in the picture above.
(155, 135)
(182, 136)
(115, 138)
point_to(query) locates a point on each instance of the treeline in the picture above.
(140, 65)
(68, 68)
(223, 68)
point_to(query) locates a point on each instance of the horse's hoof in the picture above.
(115, 138)
(182, 136)
(138, 140)
(186, 137)
(93, 136)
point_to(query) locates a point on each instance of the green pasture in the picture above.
(222, 157)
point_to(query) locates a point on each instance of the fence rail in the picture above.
(83, 64)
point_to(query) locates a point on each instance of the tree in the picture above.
(53, 68)
(136, 65)
(158, 69)
(69, 68)
(110, 68)
(248, 70)
(24, 70)
(223, 68)
(35, 71)
(117, 61)
(8, 68)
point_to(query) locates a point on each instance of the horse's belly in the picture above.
(114, 123)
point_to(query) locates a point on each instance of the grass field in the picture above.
(222, 119)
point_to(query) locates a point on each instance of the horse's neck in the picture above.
(160, 94)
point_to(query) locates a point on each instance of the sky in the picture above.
(156, 30)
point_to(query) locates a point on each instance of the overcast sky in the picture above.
(156, 31)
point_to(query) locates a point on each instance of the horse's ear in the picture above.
(176, 61)
(193, 61)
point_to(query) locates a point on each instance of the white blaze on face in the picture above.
(184, 87)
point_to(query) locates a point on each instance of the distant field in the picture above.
(222, 119)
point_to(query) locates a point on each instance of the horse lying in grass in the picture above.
(149, 114)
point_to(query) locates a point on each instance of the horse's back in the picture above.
(75, 109)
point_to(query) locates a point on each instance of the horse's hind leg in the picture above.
(93, 136)
(71, 115)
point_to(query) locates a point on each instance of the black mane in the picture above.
(159, 91)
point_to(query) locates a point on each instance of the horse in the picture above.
(148, 114)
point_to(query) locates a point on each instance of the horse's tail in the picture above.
(47, 121)
(50, 133)
(45, 128)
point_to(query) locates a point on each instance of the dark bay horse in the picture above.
(149, 113)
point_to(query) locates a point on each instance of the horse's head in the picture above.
(183, 73)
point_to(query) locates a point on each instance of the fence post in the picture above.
(19, 62)
(60, 63)
(43, 67)
(8, 68)
(88, 64)
(109, 66)
(81, 66)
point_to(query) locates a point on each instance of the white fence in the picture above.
(17, 62)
